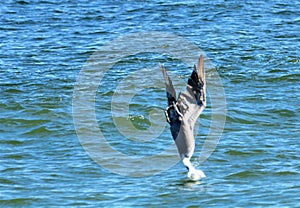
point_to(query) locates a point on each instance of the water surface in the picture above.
(254, 46)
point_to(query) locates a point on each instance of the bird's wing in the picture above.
(192, 102)
(171, 93)
(172, 113)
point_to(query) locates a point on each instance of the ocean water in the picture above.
(45, 46)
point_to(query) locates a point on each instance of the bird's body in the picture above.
(182, 114)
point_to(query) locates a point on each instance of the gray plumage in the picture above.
(182, 113)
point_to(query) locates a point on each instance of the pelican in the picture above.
(182, 114)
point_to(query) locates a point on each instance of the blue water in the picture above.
(254, 46)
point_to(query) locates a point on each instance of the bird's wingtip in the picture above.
(201, 67)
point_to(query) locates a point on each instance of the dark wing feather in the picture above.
(192, 102)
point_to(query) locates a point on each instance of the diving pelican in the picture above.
(182, 114)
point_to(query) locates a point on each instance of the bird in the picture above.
(183, 112)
